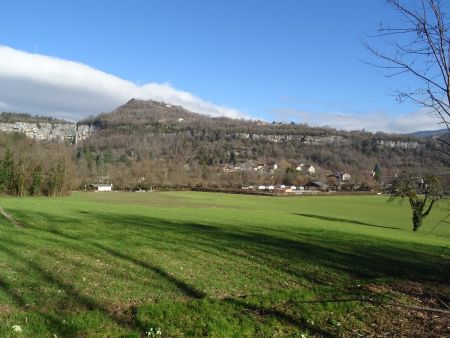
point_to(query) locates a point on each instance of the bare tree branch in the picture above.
(420, 47)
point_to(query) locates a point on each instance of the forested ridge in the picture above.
(169, 145)
(145, 144)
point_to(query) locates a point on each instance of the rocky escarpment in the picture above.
(76, 132)
(44, 131)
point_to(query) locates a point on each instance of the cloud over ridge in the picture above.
(40, 84)
(379, 121)
(47, 85)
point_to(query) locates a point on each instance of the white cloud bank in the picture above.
(415, 121)
(41, 84)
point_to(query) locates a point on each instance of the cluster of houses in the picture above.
(261, 167)
(313, 186)
(275, 188)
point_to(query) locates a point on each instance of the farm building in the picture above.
(101, 187)
(316, 185)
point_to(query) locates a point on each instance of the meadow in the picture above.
(191, 264)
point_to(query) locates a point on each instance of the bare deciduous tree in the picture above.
(418, 47)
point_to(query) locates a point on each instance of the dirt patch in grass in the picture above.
(7, 309)
(15, 222)
(389, 320)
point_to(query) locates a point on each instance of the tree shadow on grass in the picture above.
(56, 324)
(344, 220)
(333, 251)
(365, 257)
(280, 315)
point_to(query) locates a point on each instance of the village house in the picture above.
(341, 176)
(309, 169)
(260, 167)
(299, 167)
(272, 165)
(100, 187)
(316, 185)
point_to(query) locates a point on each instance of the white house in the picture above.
(310, 170)
(102, 187)
(260, 167)
(346, 177)
(299, 167)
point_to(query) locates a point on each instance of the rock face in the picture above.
(83, 131)
(68, 132)
(398, 144)
(313, 140)
(77, 132)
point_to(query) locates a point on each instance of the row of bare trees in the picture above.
(30, 168)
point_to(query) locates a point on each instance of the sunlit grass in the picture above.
(199, 264)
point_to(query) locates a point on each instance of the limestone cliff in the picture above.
(44, 131)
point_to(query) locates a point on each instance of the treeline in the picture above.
(8, 117)
(35, 169)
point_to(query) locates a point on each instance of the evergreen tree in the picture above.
(377, 172)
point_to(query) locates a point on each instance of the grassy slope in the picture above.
(207, 264)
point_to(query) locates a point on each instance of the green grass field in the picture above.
(201, 264)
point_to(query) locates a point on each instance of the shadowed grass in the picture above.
(216, 265)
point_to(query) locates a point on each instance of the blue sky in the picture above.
(276, 60)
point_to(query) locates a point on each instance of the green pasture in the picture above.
(190, 264)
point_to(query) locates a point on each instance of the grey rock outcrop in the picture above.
(44, 131)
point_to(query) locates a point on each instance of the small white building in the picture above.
(310, 170)
(102, 187)
(299, 167)
(346, 177)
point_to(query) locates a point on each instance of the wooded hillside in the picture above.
(161, 144)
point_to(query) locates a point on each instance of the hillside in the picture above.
(143, 144)
(163, 144)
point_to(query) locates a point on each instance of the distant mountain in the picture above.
(428, 133)
(147, 143)
(140, 132)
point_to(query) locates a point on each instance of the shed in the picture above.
(317, 185)
(101, 187)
